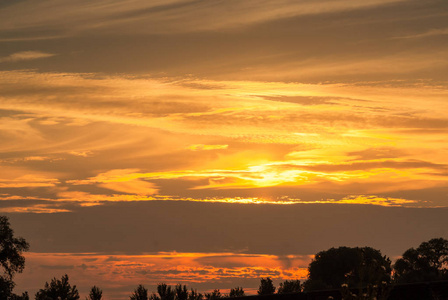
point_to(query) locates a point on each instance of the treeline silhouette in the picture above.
(345, 273)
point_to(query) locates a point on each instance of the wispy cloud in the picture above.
(429, 33)
(170, 16)
(373, 200)
(199, 147)
(25, 55)
(178, 138)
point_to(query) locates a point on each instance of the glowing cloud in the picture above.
(199, 147)
(118, 272)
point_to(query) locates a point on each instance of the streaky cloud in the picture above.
(25, 55)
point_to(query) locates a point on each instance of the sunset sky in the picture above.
(212, 143)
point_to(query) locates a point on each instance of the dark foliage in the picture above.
(181, 292)
(24, 296)
(165, 292)
(194, 295)
(429, 262)
(266, 287)
(58, 289)
(140, 293)
(344, 265)
(236, 292)
(289, 286)
(216, 294)
(11, 259)
(95, 293)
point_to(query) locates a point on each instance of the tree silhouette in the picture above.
(165, 292)
(194, 295)
(216, 294)
(11, 259)
(140, 293)
(95, 293)
(266, 287)
(236, 292)
(58, 289)
(426, 263)
(344, 265)
(154, 297)
(181, 292)
(289, 286)
(24, 296)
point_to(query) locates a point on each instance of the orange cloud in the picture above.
(116, 272)
(16, 178)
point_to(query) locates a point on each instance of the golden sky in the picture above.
(130, 107)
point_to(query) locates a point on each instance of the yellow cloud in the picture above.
(198, 147)
(372, 200)
(275, 135)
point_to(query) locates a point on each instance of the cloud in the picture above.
(61, 18)
(192, 269)
(220, 144)
(138, 187)
(372, 200)
(35, 209)
(29, 180)
(429, 33)
(199, 147)
(25, 55)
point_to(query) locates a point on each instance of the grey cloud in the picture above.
(85, 267)
(108, 228)
(90, 259)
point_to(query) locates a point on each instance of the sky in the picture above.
(212, 143)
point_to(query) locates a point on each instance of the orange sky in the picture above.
(133, 106)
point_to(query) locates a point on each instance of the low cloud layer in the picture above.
(119, 273)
